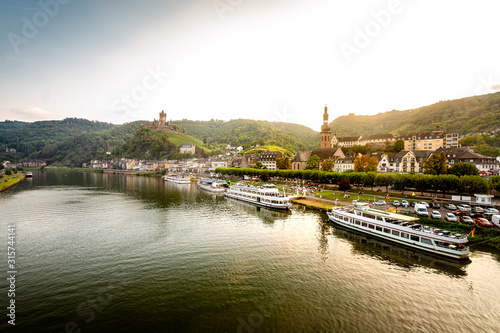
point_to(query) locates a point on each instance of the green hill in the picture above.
(241, 132)
(467, 115)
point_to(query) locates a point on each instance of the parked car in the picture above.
(483, 222)
(413, 203)
(379, 203)
(421, 210)
(491, 210)
(450, 217)
(460, 212)
(435, 205)
(466, 219)
(450, 206)
(477, 210)
(464, 207)
(404, 203)
(488, 216)
(435, 214)
(424, 203)
(396, 203)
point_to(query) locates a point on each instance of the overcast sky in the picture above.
(277, 60)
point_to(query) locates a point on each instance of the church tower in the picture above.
(325, 131)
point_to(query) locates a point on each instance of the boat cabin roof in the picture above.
(361, 206)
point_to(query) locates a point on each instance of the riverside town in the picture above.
(250, 166)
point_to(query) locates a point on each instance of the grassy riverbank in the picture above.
(6, 184)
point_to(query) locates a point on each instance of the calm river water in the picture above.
(110, 253)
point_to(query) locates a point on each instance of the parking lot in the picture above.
(442, 211)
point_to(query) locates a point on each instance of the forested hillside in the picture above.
(467, 115)
(242, 132)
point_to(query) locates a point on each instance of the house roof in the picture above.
(302, 156)
(326, 153)
(378, 136)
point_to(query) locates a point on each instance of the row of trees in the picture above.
(403, 182)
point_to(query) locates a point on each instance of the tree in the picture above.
(344, 185)
(1, 166)
(383, 179)
(472, 184)
(365, 163)
(259, 165)
(399, 145)
(313, 162)
(283, 163)
(8, 172)
(437, 164)
(463, 169)
(328, 166)
(264, 177)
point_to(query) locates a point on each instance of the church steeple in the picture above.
(325, 131)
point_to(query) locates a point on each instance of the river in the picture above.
(114, 253)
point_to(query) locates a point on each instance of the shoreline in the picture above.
(19, 179)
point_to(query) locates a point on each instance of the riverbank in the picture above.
(9, 183)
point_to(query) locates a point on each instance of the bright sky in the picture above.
(276, 60)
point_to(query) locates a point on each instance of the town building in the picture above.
(325, 131)
(374, 141)
(346, 163)
(467, 155)
(187, 148)
(410, 161)
(324, 152)
(268, 159)
(429, 140)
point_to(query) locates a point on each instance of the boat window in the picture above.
(426, 241)
(414, 238)
(379, 228)
(387, 231)
(371, 226)
(364, 224)
(404, 235)
(395, 233)
(357, 222)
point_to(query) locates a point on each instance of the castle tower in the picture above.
(325, 131)
(163, 118)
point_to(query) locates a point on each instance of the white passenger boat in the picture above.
(401, 229)
(212, 185)
(266, 195)
(177, 179)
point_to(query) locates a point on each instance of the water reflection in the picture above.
(394, 254)
(267, 215)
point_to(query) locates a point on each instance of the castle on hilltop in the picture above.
(163, 125)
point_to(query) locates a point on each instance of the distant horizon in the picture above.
(227, 120)
(276, 60)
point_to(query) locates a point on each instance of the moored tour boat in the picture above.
(400, 229)
(266, 195)
(177, 179)
(215, 186)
